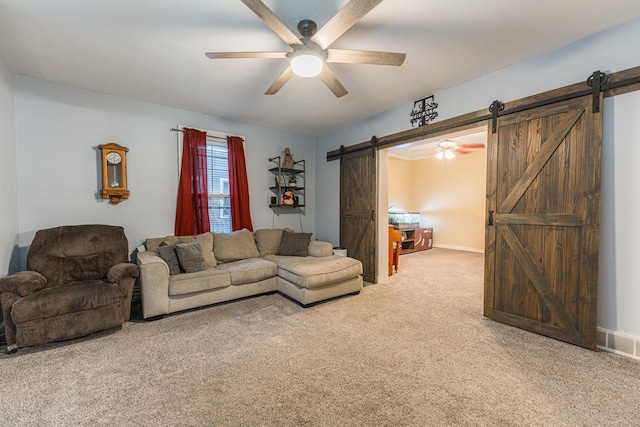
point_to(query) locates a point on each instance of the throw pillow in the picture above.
(205, 239)
(294, 244)
(168, 254)
(190, 257)
(235, 246)
(268, 240)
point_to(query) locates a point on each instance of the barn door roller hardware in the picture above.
(495, 107)
(342, 151)
(374, 144)
(597, 82)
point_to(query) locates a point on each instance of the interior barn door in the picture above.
(357, 209)
(543, 202)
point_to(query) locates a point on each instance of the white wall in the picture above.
(59, 128)
(609, 51)
(8, 176)
(619, 275)
(402, 184)
(451, 196)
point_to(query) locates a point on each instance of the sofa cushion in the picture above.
(294, 244)
(268, 240)
(190, 257)
(319, 249)
(168, 254)
(235, 246)
(205, 239)
(249, 270)
(187, 283)
(312, 272)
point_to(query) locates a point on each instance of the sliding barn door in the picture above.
(543, 202)
(357, 209)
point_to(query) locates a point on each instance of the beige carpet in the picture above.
(414, 352)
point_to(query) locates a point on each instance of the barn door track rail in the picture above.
(598, 84)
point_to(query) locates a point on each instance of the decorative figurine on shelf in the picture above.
(287, 198)
(288, 159)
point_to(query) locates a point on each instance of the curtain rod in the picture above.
(208, 135)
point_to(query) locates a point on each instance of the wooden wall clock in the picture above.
(114, 172)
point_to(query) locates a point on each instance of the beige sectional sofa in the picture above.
(215, 267)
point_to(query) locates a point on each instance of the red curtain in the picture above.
(238, 185)
(192, 213)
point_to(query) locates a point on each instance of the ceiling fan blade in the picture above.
(469, 148)
(280, 81)
(219, 55)
(476, 146)
(328, 78)
(351, 13)
(346, 56)
(273, 21)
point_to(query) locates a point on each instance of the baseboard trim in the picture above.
(618, 343)
(458, 248)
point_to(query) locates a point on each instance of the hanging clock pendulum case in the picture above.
(114, 172)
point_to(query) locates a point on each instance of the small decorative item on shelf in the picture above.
(293, 180)
(288, 162)
(280, 181)
(287, 198)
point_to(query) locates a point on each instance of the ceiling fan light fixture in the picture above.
(306, 65)
(449, 154)
(440, 155)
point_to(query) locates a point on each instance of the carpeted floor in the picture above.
(413, 352)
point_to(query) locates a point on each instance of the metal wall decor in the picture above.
(424, 111)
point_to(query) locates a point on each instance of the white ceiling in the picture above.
(154, 50)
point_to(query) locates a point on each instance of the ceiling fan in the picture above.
(311, 52)
(447, 148)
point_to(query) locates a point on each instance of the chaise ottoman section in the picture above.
(309, 279)
(308, 297)
(312, 272)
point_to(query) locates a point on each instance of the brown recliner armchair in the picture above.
(79, 281)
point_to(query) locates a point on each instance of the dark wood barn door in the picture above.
(357, 209)
(542, 234)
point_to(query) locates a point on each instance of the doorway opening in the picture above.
(446, 193)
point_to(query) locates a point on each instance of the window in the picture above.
(218, 185)
(217, 179)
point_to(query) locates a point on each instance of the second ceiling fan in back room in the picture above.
(311, 53)
(447, 148)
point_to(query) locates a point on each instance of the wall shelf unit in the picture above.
(282, 183)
